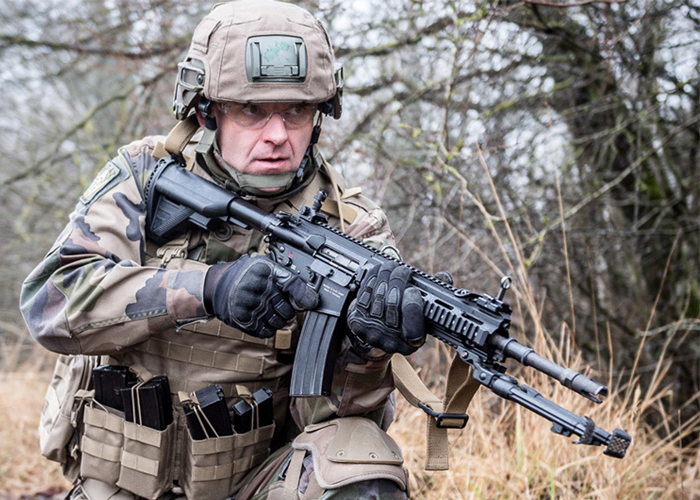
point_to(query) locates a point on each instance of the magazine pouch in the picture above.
(216, 459)
(214, 467)
(102, 443)
(146, 460)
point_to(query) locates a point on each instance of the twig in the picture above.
(40, 164)
(617, 180)
(656, 303)
(78, 48)
(570, 4)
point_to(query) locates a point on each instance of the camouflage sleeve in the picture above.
(91, 294)
(360, 386)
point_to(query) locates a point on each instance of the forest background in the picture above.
(555, 142)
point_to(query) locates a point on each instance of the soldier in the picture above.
(209, 307)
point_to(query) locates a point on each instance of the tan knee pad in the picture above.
(350, 450)
(92, 489)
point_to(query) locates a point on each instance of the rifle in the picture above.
(334, 264)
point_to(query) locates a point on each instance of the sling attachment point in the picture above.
(442, 413)
(440, 418)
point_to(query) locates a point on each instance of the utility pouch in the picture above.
(61, 415)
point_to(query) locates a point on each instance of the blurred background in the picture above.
(555, 142)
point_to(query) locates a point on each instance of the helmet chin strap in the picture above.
(258, 185)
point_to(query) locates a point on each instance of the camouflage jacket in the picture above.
(104, 288)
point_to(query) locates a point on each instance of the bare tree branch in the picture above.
(576, 3)
(10, 40)
(40, 164)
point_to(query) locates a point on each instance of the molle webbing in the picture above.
(102, 420)
(216, 328)
(101, 450)
(203, 357)
(229, 443)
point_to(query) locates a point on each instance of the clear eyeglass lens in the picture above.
(256, 116)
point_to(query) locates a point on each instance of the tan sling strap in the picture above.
(174, 249)
(337, 207)
(441, 415)
(291, 481)
(178, 138)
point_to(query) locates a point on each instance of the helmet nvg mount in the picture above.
(261, 51)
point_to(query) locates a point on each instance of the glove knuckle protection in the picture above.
(378, 301)
(401, 275)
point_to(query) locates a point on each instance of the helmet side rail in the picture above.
(334, 264)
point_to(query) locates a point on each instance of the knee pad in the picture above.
(92, 489)
(350, 450)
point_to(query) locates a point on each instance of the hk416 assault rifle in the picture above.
(334, 264)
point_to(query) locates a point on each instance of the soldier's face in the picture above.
(273, 144)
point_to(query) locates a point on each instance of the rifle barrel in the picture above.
(569, 378)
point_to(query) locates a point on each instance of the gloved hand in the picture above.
(254, 294)
(387, 313)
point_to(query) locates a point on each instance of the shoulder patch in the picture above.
(110, 175)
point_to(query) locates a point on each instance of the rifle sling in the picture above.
(459, 392)
(178, 138)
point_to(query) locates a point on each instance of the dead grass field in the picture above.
(504, 453)
(23, 471)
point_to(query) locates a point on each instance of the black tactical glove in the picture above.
(256, 295)
(387, 313)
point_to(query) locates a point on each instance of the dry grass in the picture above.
(24, 473)
(504, 453)
(507, 452)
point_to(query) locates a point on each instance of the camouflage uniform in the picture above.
(105, 289)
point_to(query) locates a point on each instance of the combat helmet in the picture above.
(261, 51)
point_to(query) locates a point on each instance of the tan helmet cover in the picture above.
(220, 42)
